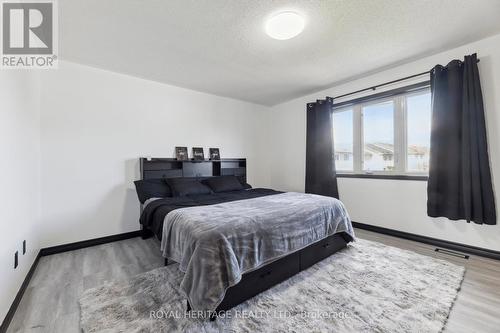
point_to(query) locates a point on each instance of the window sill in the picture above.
(378, 176)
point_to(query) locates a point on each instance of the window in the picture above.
(343, 140)
(419, 132)
(378, 136)
(389, 135)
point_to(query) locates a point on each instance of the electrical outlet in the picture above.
(24, 247)
(16, 260)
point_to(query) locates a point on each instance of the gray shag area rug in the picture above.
(367, 287)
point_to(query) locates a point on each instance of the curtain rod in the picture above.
(383, 84)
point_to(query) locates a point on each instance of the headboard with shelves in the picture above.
(173, 168)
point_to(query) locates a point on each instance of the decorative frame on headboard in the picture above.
(152, 168)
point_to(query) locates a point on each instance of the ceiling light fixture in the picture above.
(285, 25)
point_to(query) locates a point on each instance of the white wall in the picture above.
(399, 205)
(19, 189)
(95, 125)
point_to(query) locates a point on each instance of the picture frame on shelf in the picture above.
(214, 154)
(181, 153)
(198, 154)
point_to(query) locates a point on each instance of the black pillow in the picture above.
(246, 186)
(152, 188)
(224, 184)
(187, 186)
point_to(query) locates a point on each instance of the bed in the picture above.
(235, 243)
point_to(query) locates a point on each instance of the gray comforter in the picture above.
(216, 244)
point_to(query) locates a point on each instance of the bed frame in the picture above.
(267, 276)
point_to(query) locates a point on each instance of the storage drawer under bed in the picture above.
(321, 250)
(255, 282)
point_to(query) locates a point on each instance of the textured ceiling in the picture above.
(219, 46)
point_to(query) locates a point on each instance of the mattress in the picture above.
(155, 210)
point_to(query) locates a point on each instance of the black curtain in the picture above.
(459, 186)
(320, 164)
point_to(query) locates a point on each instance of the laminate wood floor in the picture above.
(50, 303)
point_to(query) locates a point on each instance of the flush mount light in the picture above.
(285, 25)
